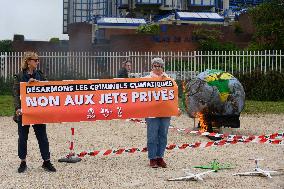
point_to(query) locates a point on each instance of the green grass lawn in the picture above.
(255, 107)
(6, 106)
(251, 107)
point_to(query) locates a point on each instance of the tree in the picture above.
(6, 46)
(209, 40)
(54, 40)
(149, 29)
(201, 34)
(268, 19)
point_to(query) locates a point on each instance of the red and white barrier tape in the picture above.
(136, 120)
(188, 131)
(278, 135)
(275, 138)
(71, 148)
(244, 139)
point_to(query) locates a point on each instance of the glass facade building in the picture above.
(88, 10)
(85, 10)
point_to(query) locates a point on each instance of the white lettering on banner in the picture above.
(115, 96)
(110, 98)
(81, 87)
(69, 100)
(157, 95)
(123, 97)
(164, 95)
(143, 96)
(54, 101)
(171, 94)
(43, 101)
(48, 89)
(79, 99)
(135, 96)
(31, 101)
(89, 99)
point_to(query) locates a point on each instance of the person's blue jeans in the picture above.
(40, 132)
(157, 136)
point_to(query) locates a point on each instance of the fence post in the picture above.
(249, 62)
(3, 65)
(194, 62)
(265, 62)
(280, 53)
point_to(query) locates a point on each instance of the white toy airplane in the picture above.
(190, 176)
(257, 171)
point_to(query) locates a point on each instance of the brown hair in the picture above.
(125, 61)
(27, 56)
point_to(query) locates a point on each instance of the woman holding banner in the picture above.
(29, 73)
(157, 128)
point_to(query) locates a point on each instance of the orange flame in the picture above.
(202, 122)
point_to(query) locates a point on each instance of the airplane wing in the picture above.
(247, 173)
(225, 167)
(204, 167)
(257, 159)
(206, 172)
(181, 178)
(265, 171)
(271, 171)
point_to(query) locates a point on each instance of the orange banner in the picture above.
(104, 99)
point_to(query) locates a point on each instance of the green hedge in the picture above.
(6, 86)
(263, 87)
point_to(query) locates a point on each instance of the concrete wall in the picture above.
(39, 46)
(171, 38)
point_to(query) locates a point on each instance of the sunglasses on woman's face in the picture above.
(157, 66)
(36, 60)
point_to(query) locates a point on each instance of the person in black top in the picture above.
(124, 71)
(29, 73)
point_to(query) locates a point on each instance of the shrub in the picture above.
(263, 87)
(6, 46)
(214, 45)
(209, 40)
(237, 28)
(205, 34)
(149, 29)
(6, 86)
(54, 40)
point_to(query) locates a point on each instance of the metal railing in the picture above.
(180, 65)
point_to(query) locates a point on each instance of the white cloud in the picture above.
(35, 19)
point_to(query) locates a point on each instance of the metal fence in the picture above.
(180, 65)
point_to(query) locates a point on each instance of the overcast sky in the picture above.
(35, 19)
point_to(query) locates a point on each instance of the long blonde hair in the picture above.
(27, 56)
